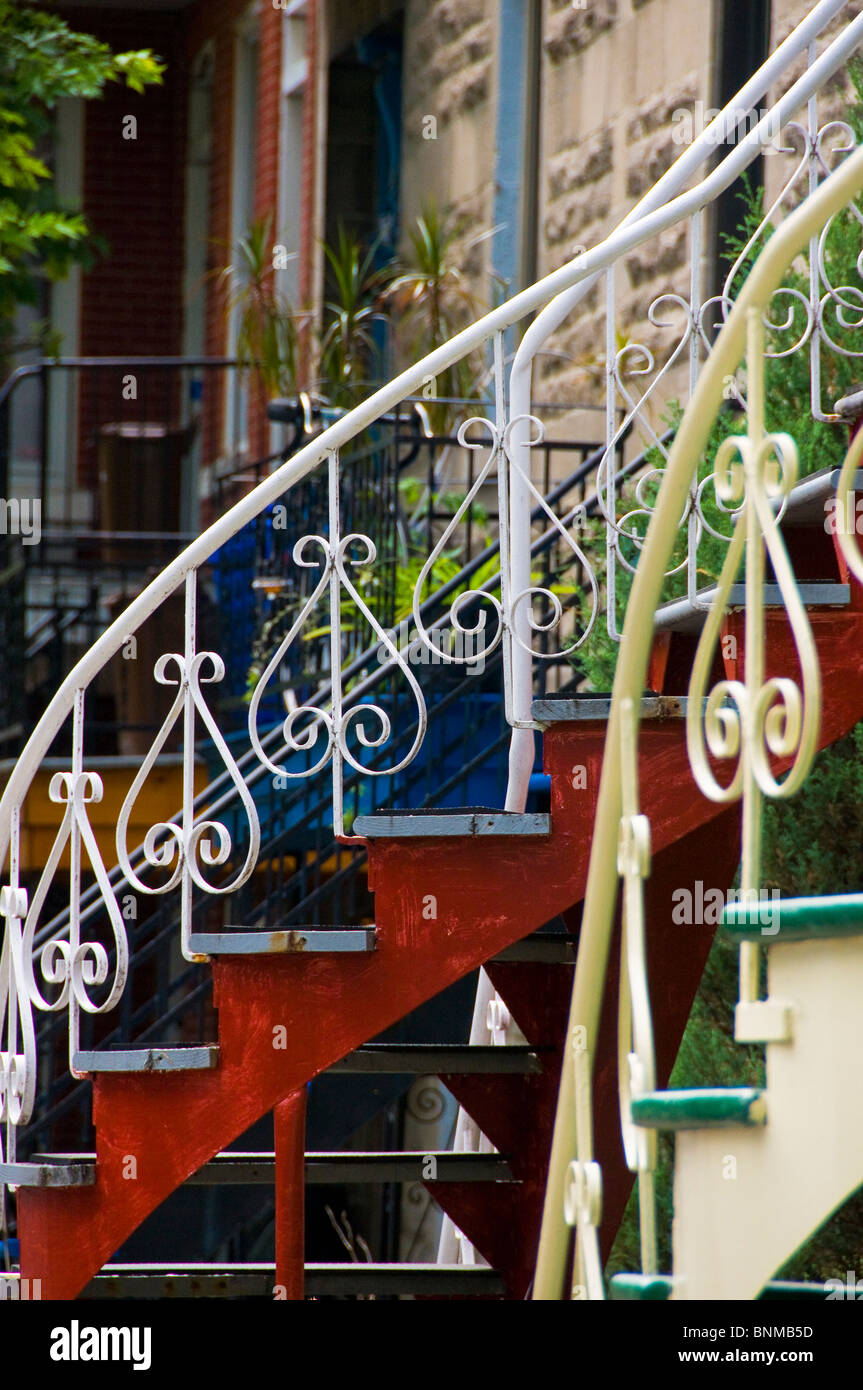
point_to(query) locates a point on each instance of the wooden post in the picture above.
(289, 1126)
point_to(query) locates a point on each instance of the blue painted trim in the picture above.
(510, 140)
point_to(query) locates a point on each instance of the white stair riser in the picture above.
(732, 1232)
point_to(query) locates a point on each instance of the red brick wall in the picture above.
(309, 176)
(269, 83)
(217, 23)
(131, 300)
(267, 172)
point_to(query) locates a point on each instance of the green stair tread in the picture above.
(787, 1290)
(795, 919)
(642, 1288)
(701, 1109)
(656, 1288)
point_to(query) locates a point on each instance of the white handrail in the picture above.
(587, 264)
(601, 894)
(714, 135)
(651, 216)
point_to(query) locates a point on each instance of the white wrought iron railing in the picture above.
(639, 388)
(765, 729)
(193, 852)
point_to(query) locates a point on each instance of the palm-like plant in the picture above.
(348, 350)
(432, 289)
(433, 300)
(266, 335)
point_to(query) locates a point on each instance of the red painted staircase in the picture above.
(452, 891)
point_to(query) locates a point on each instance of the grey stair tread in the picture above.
(407, 1167)
(719, 1108)
(71, 1170)
(242, 941)
(459, 821)
(442, 1280)
(823, 918)
(435, 1059)
(684, 616)
(181, 1280)
(237, 1167)
(813, 593)
(148, 1059)
(583, 708)
(806, 503)
(540, 949)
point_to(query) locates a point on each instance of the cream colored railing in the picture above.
(747, 723)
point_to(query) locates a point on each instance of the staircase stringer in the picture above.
(171, 1124)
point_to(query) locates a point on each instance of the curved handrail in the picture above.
(628, 236)
(716, 133)
(90, 901)
(649, 212)
(209, 840)
(602, 881)
(269, 490)
(251, 767)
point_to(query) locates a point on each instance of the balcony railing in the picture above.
(351, 731)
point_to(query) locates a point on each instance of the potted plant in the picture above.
(349, 349)
(265, 342)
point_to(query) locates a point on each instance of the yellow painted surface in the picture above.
(159, 799)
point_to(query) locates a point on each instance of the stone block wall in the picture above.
(614, 75)
(448, 132)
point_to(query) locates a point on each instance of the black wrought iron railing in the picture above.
(306, 876)
(105, 454)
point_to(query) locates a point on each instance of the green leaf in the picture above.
(43, 61)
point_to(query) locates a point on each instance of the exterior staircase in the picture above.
(733, 1226)
(493, 879)
(175, 1109)
(456, 888)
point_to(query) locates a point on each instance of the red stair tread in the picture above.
(488, 895)
(329, 1006)
(517, 1113)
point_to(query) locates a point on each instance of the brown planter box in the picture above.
(139, 699)
(140, 474)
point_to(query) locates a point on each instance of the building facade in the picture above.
(535, 126)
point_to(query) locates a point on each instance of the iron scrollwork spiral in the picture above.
(190, 846)
(769, 718)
